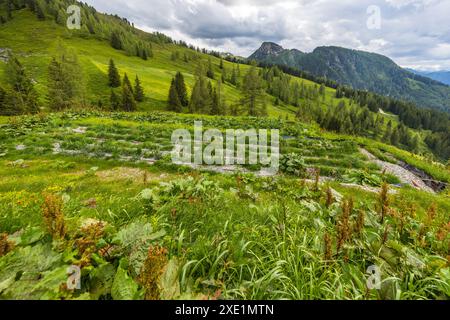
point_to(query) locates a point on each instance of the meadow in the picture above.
(98, 191)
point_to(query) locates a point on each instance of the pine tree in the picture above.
(217, 105)
(138, 90)
(126, 82)
(224, 75)
(116, 40)
(8, 107)
(9, 9)
(234, 78)
(221, 64)
(11, 103)
(150, 51)
(113, 75)
(65, 81)
(114, 101)
(40, 12)
(128, 102)
(388, 134)
(23, 95)
(210, 71)
(253, 89)
(174, 103)
(201, 98)
(181, 89)
(415, 144)
(395, 137)
(31, 5)
(296, 94)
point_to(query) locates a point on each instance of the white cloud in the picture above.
(414, 33)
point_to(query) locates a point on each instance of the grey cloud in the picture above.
(414, 32)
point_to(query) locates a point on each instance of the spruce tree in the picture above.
(210, 71)
(31, 5)
(23, 95)
(113, 75)
(65, 81)
(234, 78)
(395, 137)
(174, 103)
(8, 105)
(181, 89)
(40, 12)
(114, 101)
(116, 40)
(254, 94)
(201, 98)
(138, 90)
(11, 103)
(215, 105)
(9, 9)
(128, 102)
(127, 83)
(224, 75)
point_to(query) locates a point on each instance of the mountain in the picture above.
(268, 49)
(361, 70)
(441, 76)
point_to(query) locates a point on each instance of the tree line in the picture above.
(208, 99)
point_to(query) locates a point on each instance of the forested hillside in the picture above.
(361, 70)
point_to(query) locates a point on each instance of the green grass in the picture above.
(224, 236)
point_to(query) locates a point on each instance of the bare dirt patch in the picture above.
(124, 173)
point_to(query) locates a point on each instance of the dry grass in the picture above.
(52, 212)
(152, 270)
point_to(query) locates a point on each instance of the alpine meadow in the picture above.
(94, 207)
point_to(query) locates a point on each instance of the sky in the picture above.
(414, 33)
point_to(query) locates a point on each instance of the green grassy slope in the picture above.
(36, 41)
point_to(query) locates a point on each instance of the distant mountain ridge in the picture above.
(361, 70)
(441, 76)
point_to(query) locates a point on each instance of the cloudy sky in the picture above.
(414, 33)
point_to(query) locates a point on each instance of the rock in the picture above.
(405, 176)
(80, 130)
(20, 147)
